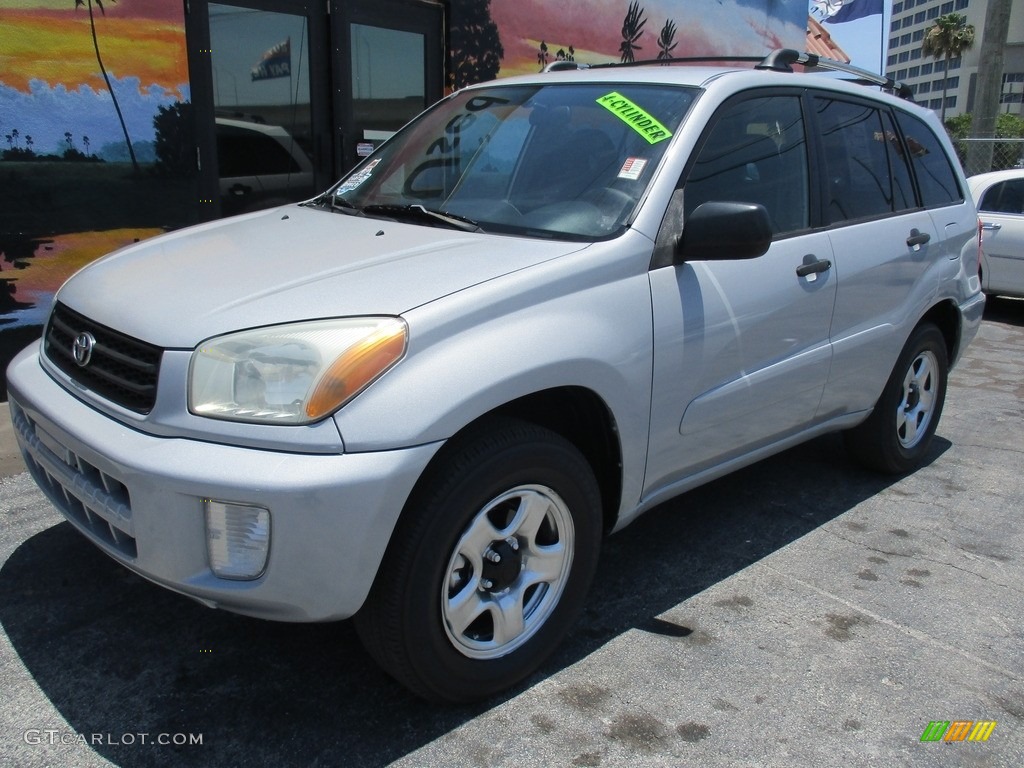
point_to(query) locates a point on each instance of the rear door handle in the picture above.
(991, 225)
(918, 238)
(813, 267)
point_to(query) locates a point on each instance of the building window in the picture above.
(924, 87)
(933, 13)
(915, 54)
(913, 72)
(894, 43)
(961, 4)
(917, 36)
(890, 60)
(947, 8)
(904, 57)
(901, 74)
(907, 21)
(896, 8)
(926, 69)
(950, 102)
(905, 40)
(955, 63)
(935, 104)
(919, 17)
(953, 82)
(894, 26)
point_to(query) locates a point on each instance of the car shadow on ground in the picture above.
(1001, 309)
(116, 655)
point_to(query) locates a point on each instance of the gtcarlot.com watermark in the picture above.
(51, 736)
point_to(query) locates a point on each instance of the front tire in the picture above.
(489, 565)
(896, 436)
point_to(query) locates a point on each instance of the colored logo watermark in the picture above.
(958, 730)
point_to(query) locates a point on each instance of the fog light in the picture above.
(237, 539)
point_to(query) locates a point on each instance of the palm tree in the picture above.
(85, 141)
(15, 134)
(666, 42)
(946, 39)
(106, 78)
(632, 28)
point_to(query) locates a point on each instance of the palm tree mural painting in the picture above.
(632, 28)
(95, 43)
(667, 40)
(946, 39)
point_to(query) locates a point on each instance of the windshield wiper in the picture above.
(335, 203)
(418, 212)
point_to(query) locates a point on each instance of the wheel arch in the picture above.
(577, 414)
(946, 318)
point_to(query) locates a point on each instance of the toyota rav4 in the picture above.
(545, 306)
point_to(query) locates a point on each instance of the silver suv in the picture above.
(545, 306)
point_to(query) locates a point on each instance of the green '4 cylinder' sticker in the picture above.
(636, 118)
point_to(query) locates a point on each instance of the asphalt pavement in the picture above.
(801, 612)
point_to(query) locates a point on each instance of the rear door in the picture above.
(891, 241)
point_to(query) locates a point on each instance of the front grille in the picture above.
(121, 369)
(95, 500)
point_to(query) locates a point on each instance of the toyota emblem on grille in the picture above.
(82, 348)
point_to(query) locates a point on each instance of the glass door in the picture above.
(390, 67)
(266, 105)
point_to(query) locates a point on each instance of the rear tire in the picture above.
(896, 436)
(489, 565)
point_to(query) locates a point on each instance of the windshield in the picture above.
(562, 160)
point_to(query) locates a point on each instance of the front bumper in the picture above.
(139, 498)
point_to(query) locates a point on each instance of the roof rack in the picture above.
(560, 66)
(780, 60)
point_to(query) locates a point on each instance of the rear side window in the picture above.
(755, 152)
(935, 175)
(1004, 197)
(867, 173)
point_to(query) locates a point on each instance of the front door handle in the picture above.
(813, 267)
(917, 238)
(991, 225)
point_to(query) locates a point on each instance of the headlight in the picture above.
(292, 374)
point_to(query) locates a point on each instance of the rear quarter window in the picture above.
(933, 169)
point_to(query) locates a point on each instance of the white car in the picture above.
(1000, 199)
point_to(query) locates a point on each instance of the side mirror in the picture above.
(718, 231)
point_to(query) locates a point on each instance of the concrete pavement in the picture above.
(800, 612)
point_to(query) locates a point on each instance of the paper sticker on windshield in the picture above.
(357, 178)
(636, 118)
(632, 168)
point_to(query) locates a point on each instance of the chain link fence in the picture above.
(981, 155)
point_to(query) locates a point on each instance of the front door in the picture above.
(263, 103)
(742, 348)
(388, 66)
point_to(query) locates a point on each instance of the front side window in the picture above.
(755, 152)
(563, 160)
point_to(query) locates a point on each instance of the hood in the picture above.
(283, 265)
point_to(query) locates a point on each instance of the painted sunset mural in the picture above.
(93, 98)
(536, 32)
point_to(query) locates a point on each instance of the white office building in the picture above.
(905, 60)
